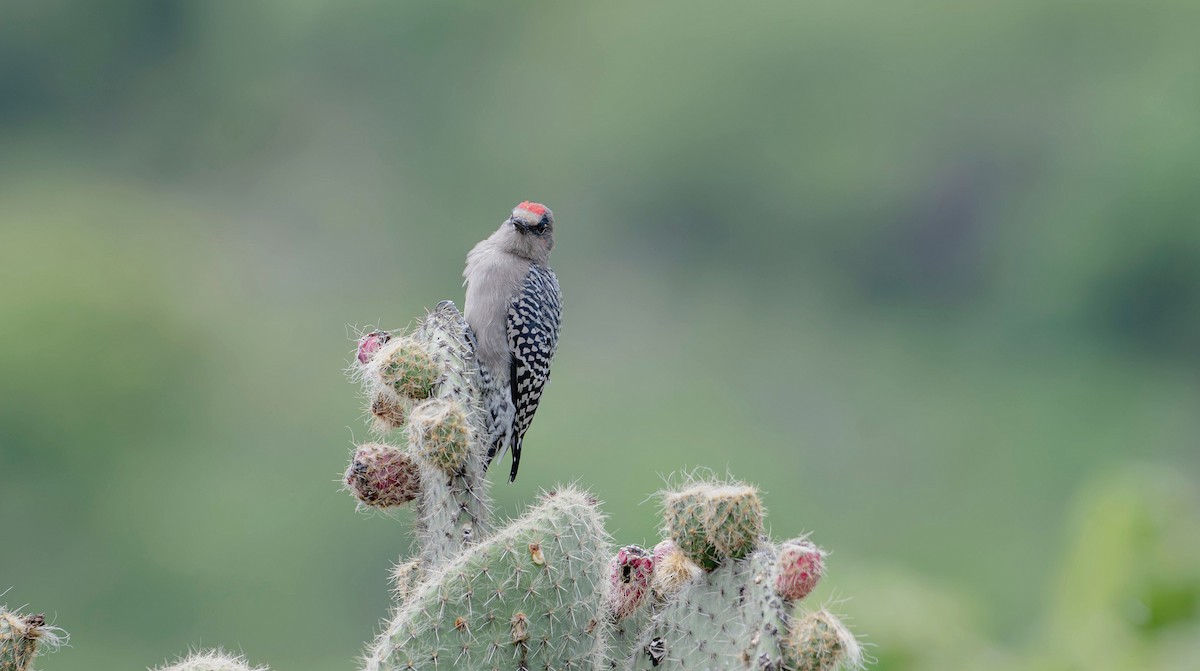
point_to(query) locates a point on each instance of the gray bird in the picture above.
(514, 306)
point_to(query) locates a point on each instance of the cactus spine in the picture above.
(212, 660)
(22, 637)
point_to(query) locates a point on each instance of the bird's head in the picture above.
(529, 232)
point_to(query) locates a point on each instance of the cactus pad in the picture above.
(494, 606)
(712, 522)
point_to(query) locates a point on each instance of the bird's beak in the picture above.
(518, 224)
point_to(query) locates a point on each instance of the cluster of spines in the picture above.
(211, 660)
(22, 637)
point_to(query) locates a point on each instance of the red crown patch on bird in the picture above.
(536, 208)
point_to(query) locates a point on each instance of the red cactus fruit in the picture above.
(382, 476)
(371, 343)
(629, 575)
(801, 564)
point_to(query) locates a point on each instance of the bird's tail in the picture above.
(516, 461)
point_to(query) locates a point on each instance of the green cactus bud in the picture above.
(712, 522)
(820, 642)
(731, 613)
(438, 431)
(22, 637)
(406, 366)
(212, 660)
(494, 605)
(382, 476)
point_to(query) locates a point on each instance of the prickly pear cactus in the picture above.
(424, 383)
(546, 591)
(723, 596)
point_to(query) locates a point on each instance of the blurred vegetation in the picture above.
(922, 271)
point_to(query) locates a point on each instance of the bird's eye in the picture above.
(540, 227)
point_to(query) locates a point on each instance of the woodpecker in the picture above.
(514, 306)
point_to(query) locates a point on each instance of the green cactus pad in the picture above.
(712, 522)
(728, 618)
(494, 607)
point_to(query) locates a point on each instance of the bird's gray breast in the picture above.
(493, 278)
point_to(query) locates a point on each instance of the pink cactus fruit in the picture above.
(371, 343)
(629, 575)
(801, 564)
(382, 476)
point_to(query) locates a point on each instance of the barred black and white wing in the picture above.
(533, 321)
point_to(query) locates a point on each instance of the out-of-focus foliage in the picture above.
(1126, 595)
(920, 270)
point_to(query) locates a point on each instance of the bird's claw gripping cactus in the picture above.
(546, 591)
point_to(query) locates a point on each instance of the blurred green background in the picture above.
(929, 272)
